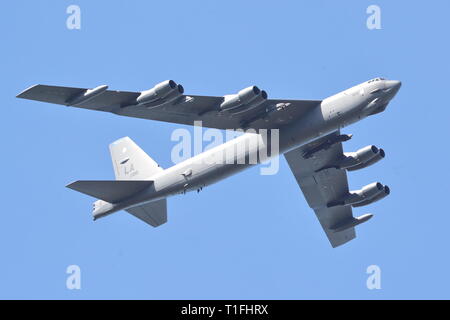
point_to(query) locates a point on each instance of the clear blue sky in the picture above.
(249, 236)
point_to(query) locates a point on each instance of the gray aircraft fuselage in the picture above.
(333, 113)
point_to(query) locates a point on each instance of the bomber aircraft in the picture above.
(308, 135)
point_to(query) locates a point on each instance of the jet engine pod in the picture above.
(366, 193)
(250, 97)
(163, 92)
(386, 191)
(359, 157)
(366, 153)
(378, 156)
(371, 190)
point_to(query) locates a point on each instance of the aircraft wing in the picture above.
(321, 185)
(186, 109)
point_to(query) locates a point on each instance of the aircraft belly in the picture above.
(201, 170)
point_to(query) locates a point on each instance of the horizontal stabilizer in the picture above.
(153, 213)
(110, 191)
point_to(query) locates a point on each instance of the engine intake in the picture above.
(163, 92)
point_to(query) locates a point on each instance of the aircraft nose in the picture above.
(393, 84)
(392, 87)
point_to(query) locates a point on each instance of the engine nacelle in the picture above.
(370, 191)
(386, 191)
(380, 155)
(363, 155)
(366, 193)
(163, 92)
(249, 97)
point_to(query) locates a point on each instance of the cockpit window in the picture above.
(376, 79)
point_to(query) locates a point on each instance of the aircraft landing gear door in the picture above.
(186, 175)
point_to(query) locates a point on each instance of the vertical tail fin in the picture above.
(131, 162)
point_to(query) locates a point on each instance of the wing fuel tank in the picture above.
(87, 95)
(327, 144)
(351, 223)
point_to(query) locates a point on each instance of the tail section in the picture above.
(131, 162)
(133, 169)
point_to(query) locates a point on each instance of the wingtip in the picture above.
(22, 94)
(70, 185)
